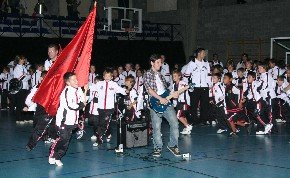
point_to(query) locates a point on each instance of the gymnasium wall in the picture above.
(186, 14)
(252, 21)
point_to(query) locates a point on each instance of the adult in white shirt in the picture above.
(52, 55)
(198, 73)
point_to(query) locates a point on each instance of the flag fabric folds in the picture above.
(75, 57)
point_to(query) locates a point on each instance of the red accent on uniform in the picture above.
(105, 102)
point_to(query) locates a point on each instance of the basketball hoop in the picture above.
(131, 33)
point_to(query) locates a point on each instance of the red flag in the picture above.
(75, 57)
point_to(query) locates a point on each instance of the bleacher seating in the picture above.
(50, 25)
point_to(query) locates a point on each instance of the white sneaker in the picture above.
(49, 140)
(93, 137)
(58, 163)
(189, 127)
(279, 120)
(21, 122)
(95, 144)
(213, 123)
(109, 138)
(221, 131)
(238, 130)
(260, 133)
(17, 122)
(119, 149)
(268, 127)
(51, 160)
(30, 121)
(185, 131)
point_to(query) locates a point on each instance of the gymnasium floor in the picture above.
(212, 155)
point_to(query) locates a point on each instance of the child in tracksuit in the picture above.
(130, 100)
(93, 110)
(217, 103)
(42, 123)
(182, 103)
(72, 99)
(284, 100)
(256, 107)
(266, 87)
(234, 110)
(277, 101)
(240, 79)
(5, 78)
(107, 91)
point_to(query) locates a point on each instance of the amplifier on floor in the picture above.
(134, 134)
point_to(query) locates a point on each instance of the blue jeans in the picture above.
(170, 116)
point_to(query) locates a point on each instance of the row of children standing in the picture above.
(252, 96)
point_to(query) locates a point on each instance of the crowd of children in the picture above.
(252, 94)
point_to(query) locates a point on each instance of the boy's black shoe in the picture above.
(28, 148)
(174, 150)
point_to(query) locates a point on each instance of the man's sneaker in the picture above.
(58, 163)
(51, 160)
(109, 138)
(268, 128)
(96, 144)
(260, 133)
(238, 130)
(174, 150)
(156, 152)
(221, 131)
(93, 137)
(279, 120)
(186, 131)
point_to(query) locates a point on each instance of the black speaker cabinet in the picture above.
(133, 134)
